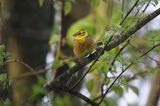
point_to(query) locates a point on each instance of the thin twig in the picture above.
(83, 97)
(158, 62)
(101, 52)
(114, 82)
(139, 9)
(129, 12)
(137, 74)
(124, 71)
(21, 62)
(27, 74)
(146, 6)
(149, 50)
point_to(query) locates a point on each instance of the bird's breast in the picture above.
(83, 47)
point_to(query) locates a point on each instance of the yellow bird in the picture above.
(83, 44)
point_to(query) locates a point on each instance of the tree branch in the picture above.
(60, 81)
(21, 62)
(83, 97)
(77, 94)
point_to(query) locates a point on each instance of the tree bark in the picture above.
(154, 92)
(27, 29)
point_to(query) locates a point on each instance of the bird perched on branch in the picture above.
(83, 44)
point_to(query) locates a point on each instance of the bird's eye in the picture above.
(79, 33)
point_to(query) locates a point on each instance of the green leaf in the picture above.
(3, 55)
(134, 89)
(6, 102)
(3, 77)
(67, 7)
(62, 101)
(41, 2)
(132, 18)
(123, 81)
(103, 67)
(37, 89)
(117, 89)
(90, 85)
(54, 39)
(56, 63)
(155, 2)
(113, 32)
(95, 3)
(109, 102)
(107, 35)
(37, 92)
(107, 81)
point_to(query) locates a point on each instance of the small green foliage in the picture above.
(103, 67)
(53, 39)
(41, 80)
(109, 102)
(95, 3)
(117, 89)
(154, 2)
(4, 81)
(62, 101)
(113, 32)
(41, 2)
(56, 63)
(7, 102)
(106, 81)
(131, 21)
(133, 18)
(90, 85)
(67, 7)
(3, 77)
(2, 54)
(123, 81)
(153, 37)
(134, 89)
(38, 91)
(107, 35)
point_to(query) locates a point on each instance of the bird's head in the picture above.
(81, 34)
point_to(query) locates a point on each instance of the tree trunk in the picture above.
(27, 29)
(154, 92)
